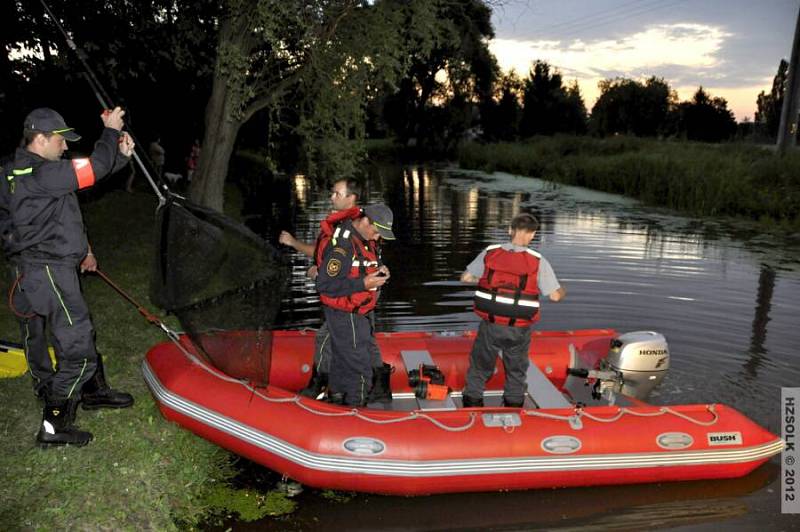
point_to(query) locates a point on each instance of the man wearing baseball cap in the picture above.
(351, 274)
(46, 243)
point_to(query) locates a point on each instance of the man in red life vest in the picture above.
(349, 281)
(344, 197)
(510, 279)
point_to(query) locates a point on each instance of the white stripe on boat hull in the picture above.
(438, 468)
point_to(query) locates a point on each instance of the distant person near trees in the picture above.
(157, 156)
(510, 279)
(192, 159)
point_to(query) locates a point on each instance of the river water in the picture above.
(725, 294)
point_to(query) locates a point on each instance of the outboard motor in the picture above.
(643, 359)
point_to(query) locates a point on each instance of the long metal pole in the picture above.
(787, 132)
(105, 102)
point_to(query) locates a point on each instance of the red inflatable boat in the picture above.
(583, 422)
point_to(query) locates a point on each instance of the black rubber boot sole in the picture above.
(60, 442)
(98, 406)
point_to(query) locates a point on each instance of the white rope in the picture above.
(296, 399)
(580, 412)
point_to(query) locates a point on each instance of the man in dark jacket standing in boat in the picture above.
(46, 241)
(349, 281)
(510, 279)
(345, 194)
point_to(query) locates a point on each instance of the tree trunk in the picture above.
(221, 125)
(208, 185)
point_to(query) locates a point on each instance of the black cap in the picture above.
(48, 121)
(381, 217)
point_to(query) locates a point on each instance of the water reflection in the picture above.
(766, 286)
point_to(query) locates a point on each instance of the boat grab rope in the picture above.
(576, 417)
(581, 413)
(297, 400)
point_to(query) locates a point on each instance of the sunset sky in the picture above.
(730, 47)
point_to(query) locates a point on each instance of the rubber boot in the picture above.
(57, 425)
(468, 401)
(513, 404)
(317, 384)
(381, 391)
(96, 393)
(336, 398)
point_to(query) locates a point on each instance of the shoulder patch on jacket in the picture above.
(340, 251)
(333, 267)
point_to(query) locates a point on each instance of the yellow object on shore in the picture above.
(12, 360)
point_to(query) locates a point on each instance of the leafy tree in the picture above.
(705, 118)
(308, 66)
(768, 114)
(500, 116)
(449, 61)
(630, 107)
(574, 119)
(548, 106)
(147, 55)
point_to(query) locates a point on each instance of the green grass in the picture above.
(702, 179)
(140, 472)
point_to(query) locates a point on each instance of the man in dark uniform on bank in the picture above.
(46, 243)
(349, 281)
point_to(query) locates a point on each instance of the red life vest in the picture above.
(365, 261)
(327, 227)
(508, 291)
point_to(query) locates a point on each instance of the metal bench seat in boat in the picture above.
(542, 391)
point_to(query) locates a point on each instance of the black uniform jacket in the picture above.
(38, 195)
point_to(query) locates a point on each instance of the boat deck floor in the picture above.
(541, 392)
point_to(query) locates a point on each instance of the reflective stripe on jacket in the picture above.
(46, 225)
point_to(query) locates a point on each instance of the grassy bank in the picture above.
(140, 472)
(701, 179)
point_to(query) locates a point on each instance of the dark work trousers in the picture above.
(351, 368)
(53, 293)
(34, 338)
(322, 348)
(493, 339)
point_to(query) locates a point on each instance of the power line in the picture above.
(579, 20)
(604, 21)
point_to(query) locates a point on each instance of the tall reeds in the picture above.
(702, 179)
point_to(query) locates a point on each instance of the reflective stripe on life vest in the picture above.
(508, 300)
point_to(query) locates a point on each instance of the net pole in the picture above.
(105, 102)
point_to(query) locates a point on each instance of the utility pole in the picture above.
(787, 133)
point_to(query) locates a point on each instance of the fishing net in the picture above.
(223, 282)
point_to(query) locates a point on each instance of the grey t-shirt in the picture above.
(546, 278)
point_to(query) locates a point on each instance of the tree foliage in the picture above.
(548, 106)
(630, 107)
(147, 55)
(705, 118)
(768, 113)
(501, 115)
(450, 68)
(309, 66)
